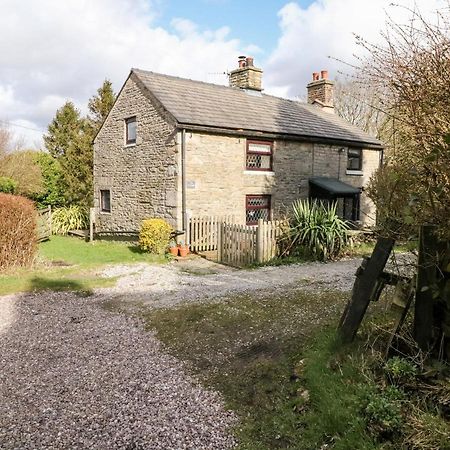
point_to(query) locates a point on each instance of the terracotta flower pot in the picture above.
(173, 251)
(183, 250)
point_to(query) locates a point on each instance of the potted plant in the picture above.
(183, 249)
(173, 249)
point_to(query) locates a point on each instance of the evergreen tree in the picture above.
(69, 141)
(77, 168)
(100, 105)
(63, 130)
(52, 194)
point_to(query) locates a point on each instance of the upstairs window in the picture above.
(257, 207)
(130, 131)
(259, 155)
(105, 200)
(354, 159)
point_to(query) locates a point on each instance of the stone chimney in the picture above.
(246, 76)
(321, 91)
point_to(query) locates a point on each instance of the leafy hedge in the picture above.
(17, 231)
(155, 235)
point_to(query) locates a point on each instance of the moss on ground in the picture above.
(247, 349)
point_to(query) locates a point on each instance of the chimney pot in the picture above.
(324, 74)
(315, 76)
(249, 61)
(241, 61)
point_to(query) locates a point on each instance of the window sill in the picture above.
(129, 145)
(270, 173)
(105, 212)
(359, 173)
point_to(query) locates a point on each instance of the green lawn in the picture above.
(73, 250)
(71, 264)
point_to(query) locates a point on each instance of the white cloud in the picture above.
(58, 50)
(326, 28)
(51, 51)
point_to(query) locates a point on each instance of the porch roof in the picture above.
(334, 187)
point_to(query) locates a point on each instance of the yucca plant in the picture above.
(317, 228)
(68, 218)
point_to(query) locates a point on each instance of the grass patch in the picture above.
(336, 389)
(66, 279)
(364, 249)
(70, 264)
(247, 348)
(76, 251)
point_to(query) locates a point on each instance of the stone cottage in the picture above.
(175, 148)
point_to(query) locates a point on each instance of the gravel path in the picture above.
(74, 376)
(202, 280)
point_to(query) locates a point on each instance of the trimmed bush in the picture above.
(7, 185)
(18, 242)
(69, 218)
(317, 228)
(155, 235)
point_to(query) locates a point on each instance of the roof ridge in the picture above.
(234, 89)
(295, 114)
(165, 75)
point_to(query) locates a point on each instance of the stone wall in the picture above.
(143, 178)
(218, 182)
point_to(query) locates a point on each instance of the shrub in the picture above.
(7, 185)
(400, 370)
(155, 235)
(383, 412)
(72, 217)
(318, 228)
(17, 231)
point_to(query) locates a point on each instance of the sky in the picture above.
(52, 51)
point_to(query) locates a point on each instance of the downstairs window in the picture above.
(105, 200)
(257, 207)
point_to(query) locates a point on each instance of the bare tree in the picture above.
(359, 103)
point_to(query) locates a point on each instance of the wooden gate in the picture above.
(44, 224)
(237, 244)
(204, 232)
(242, 245)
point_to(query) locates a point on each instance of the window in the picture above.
(351, 208)
(354, 159)
(130, 131)
(105, 200)
(257, 207)
(259, 155)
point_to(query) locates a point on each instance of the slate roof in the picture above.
(214, 106)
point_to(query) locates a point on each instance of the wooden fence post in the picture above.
(91, 223)
(365, 284)
(426, 282)
(219, 241)
(259, 242)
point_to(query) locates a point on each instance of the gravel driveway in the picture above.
(203, 280)
(76, 376)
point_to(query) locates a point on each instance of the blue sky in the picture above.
(252, 21)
